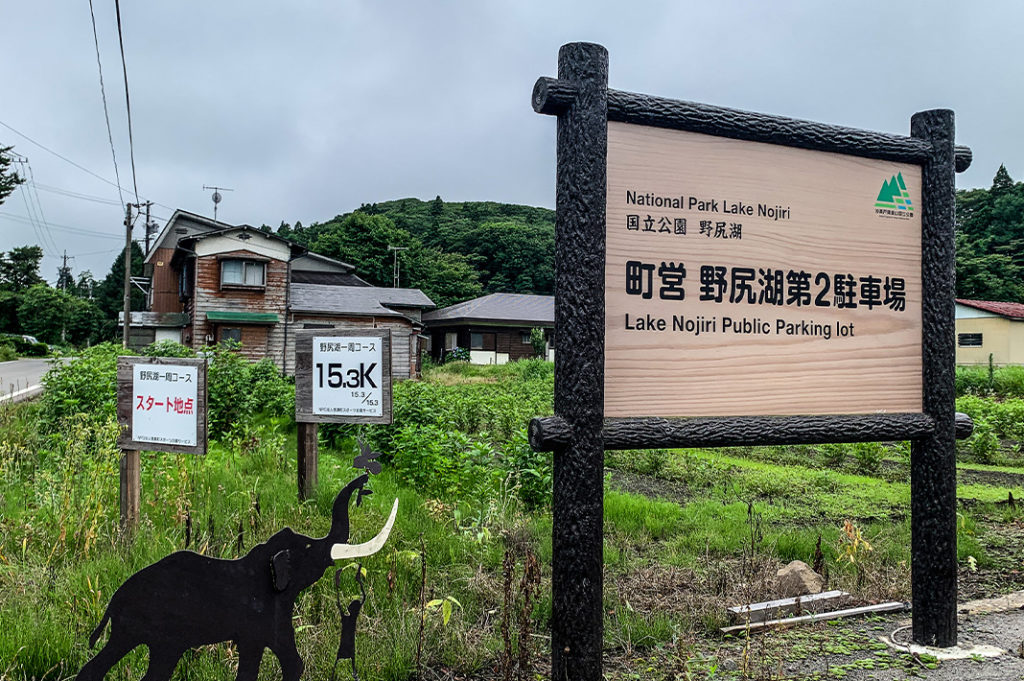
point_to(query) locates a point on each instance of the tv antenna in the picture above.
(217, 197)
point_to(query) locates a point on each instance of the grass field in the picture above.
(687, 533)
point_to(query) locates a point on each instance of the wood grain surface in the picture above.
(832, 228)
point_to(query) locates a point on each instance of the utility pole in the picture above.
(64, 273)
(394, 268)
(149, 224)
(127, 273)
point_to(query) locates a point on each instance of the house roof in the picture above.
(1008, 310)
(499, 308)
(203, 224)
(359, 301)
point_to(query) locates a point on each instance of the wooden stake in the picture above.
(131, 488)
(308, 459)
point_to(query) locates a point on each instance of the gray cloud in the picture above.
(308, 109)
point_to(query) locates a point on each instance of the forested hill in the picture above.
(456, 251)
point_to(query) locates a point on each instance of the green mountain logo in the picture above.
(894, 195)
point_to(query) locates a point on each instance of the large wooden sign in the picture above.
(161, 404)
(343, 375)
(727, 278)
(745, 278)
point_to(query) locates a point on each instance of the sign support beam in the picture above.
(933, 457)
(308, 459)
(130, 489)
(577, 627)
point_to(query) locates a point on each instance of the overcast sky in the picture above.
(307, 109)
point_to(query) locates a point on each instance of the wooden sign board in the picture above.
(745, 278)
(161, 404)
(343, 375)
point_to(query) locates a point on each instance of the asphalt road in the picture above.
(22, 378)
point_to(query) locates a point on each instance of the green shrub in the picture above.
(457, 355)
(983, 445)
(444, 464)
(7, 352)
(531, 471)
(30, 349)
(1008, 382)
(833, 453)
(237, 390)
(868, 456)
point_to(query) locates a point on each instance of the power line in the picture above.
(39, 205)
(63, 228)
(103, 94)
(76, 195)
(68, 160)
(127, 102)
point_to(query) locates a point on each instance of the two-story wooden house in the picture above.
(213, 282)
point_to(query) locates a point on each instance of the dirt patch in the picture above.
(993, 478)
(648, 486)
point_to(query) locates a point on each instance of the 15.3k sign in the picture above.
(348, 375)
(343, 375)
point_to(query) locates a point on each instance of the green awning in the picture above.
(242, 317)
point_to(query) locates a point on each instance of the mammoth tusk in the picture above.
(343, 551)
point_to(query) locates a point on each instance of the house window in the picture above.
(525, 338)
(230, 334)
(481, 341)
(968, 340)
(451, 340)
(242, 273)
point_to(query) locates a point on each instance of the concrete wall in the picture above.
(996, 339)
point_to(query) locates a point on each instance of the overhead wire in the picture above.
(77, 195)
(127, 99)
(68, 160)
(39, 206)
(103, 95)
(63, 228)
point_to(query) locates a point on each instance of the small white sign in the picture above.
(164, 404)
(348, 375)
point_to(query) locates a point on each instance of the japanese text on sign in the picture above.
(348, 376)
(164, 399)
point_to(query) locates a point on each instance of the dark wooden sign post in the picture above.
(342, 375)
(161, 406)
(595, 363)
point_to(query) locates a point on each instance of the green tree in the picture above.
(19, 268)
(109, 293)
(990, 240)
(85, 285)
(9, 179)
(65, 280)
(54, 316)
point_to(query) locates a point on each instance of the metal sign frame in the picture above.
(578, 434)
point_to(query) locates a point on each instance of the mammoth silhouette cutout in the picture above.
(187, 600)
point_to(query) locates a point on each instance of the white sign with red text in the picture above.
(165, 399)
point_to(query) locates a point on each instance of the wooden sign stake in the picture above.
(130, 489)
(308, 459)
